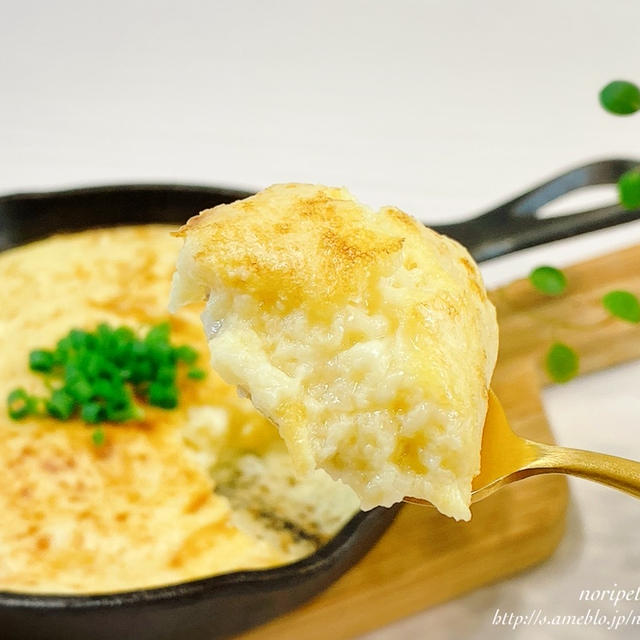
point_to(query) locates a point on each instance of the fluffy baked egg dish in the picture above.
(202, 489)
(366, 337)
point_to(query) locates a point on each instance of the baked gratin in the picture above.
(202, 489)
(366, 337)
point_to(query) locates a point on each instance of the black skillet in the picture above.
(222, 606)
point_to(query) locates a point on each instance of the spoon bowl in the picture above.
(506, 457)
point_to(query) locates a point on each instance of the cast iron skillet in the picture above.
(221, 606)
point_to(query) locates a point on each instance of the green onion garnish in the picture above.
(163, 395)
(79, 387)
(19, 404)
(166, 374)
(92, 412)
(98, 436)
(61, 405)
(102, 375)
(187, 354)
(41, 360)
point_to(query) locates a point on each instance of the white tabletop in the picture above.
(442, 108)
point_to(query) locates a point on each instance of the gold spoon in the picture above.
(506, 457)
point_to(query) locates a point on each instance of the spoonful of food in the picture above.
(506, 457)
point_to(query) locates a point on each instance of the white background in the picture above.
(443, 108)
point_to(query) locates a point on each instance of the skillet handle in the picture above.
(516, 224)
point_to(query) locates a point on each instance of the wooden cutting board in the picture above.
(425, 558)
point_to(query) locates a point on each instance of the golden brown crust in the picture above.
(133, 513)
(321, 231)
(332, 316)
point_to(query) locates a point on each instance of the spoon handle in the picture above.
(619, 473)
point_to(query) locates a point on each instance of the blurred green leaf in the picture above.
(623, 305)
(562, 362)
(548, 280)
(620, 97)
(629, 189)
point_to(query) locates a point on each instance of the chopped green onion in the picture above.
(187, 354)
(105, 389)
(41, 360)
(121, 411)
(158, 334)
(124, 334)
(139, 351)
(60, 405)
(79, 339)
(64, 345)
(79, 388)
(161, 354)
(136, 412)
(92, 412)
(95, 374)
(104, 336)
(117, 413)
(93, 364)
(19, 404)
(140, 371)
(98, 436)
(162, 395)
(122, 353)
(166, 374)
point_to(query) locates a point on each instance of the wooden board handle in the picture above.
(530, 321)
